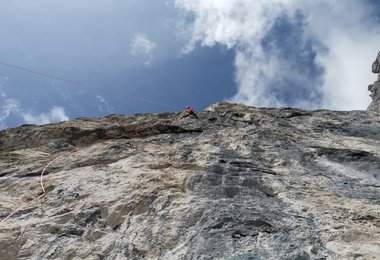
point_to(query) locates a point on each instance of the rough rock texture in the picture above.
(237, 183)
(376, 64)
(375, 87)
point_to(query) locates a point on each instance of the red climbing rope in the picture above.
(42, 195)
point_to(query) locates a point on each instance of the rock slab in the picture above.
(238, 182)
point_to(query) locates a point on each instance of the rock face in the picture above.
(237, 183)
(375, 87)
(376, 64)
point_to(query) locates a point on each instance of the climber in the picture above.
(189, 112)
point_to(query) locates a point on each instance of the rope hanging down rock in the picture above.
(39, 197)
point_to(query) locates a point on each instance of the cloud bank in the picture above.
(8, 105)
(307, 54)
(13, 112)
(56, 114)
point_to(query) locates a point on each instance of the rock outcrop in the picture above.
(375, 87)
(376, 64)
(237, 183)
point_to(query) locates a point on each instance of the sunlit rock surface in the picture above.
(237, 183)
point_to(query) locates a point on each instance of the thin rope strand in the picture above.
(43, 74)
(72, 82)
(42, 195)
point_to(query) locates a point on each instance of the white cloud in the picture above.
(142, 47)
(352, 38)
(8, 107)
(104, 105)
(342, 36)
(11, 109)
(56, 114)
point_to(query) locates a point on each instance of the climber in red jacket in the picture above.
(189, 112)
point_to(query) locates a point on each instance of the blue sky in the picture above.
(149, 56)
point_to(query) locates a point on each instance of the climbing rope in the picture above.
(39, 197)
(73, 82)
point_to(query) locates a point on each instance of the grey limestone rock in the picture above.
(375, 87)
(237, 182)
(376, 64)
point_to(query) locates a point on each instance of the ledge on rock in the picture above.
(85, 131)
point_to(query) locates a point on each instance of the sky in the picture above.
(61, 60)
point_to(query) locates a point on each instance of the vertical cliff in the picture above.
(237, 182)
